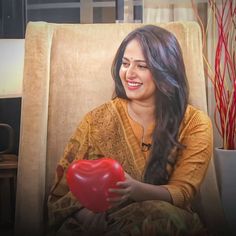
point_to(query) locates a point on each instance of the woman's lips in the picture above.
(133, 85)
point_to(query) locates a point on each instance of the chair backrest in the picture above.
(66, 74)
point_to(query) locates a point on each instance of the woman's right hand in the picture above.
(93, 223)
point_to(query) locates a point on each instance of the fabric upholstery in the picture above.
(66, 74)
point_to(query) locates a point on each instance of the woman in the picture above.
(163, 144)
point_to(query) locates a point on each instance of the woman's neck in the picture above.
(143, 113)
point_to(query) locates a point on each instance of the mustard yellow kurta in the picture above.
(108, 131)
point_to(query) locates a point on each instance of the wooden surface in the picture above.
(7, 162)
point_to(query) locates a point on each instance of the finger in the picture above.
(114, 205)
(122, 184)
(127, 176)
(114, 199)
(117, 199)
(118, 191)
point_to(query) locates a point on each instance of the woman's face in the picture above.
(135, 75)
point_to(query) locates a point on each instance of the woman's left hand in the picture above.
(127, 189)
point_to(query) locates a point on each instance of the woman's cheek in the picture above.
(122, 73)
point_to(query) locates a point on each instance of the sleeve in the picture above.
(61, 203)
(193, 160)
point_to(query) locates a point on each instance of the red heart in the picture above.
(89, 181)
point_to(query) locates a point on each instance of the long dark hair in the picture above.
(164, 58)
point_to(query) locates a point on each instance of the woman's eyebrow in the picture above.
(136, 60)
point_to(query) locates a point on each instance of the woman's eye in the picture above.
(142, 66)
(125, 64)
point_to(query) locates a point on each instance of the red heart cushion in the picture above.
(89, 181)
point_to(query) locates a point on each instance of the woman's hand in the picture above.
(93, 223)
(127, 189)
(131, 189)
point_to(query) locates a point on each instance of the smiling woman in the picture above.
(150, 107)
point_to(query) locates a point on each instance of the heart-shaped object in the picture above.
(89, 181)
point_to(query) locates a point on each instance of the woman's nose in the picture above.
(130, 71)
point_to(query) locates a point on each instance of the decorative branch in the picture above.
(223, 76)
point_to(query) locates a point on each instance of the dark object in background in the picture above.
(12, 19)
(10, 109)
(10, 114)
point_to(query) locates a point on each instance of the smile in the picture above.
(134, 84)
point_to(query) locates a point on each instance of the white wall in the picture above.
(11, 67)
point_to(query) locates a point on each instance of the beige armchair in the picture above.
(67, 73)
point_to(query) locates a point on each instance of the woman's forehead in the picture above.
(133, 51)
